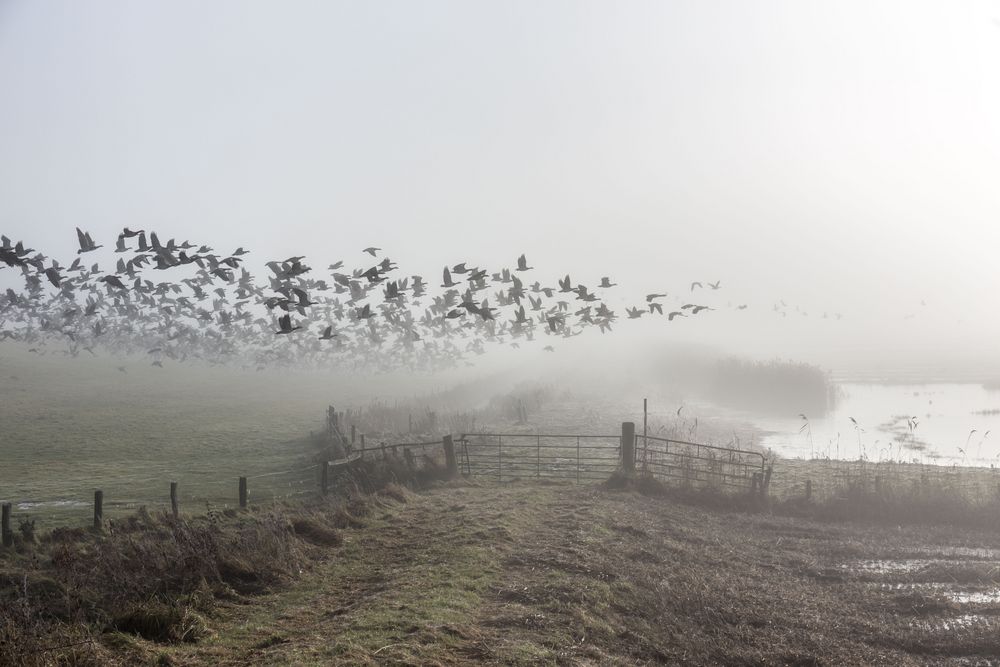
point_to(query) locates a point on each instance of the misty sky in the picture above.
(840, 156)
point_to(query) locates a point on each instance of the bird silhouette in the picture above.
(217, 311)
(448, 282)
(86, 243)
(285, 324)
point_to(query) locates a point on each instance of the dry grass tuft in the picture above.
(395, 492)
(314, 532)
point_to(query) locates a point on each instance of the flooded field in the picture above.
(924, 423)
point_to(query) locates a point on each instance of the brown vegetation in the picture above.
(468, 573)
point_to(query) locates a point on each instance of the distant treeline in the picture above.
(773, 387)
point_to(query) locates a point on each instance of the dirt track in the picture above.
(526, 574)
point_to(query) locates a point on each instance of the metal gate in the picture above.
(550, 455)
(694, 464)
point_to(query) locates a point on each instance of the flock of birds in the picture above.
(179, 301)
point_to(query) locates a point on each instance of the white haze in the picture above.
(842, 157)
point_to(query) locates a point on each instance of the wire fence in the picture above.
(197, 491)
(824, 480)
(503, 456)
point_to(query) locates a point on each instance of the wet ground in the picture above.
(561, 574)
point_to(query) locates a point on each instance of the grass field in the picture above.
(69, 427)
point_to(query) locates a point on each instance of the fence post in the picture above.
(98, 509)
(809, 490)
(765, 482)
(362, 441)
(8, 534)
(243, 492)
(449, 456)
(324, 477)
(173, 499)
(408, 455)
(354, 433)
(577, 459)
(645, 440)
(628, 447)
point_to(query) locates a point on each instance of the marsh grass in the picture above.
(888, 492)
(771, 387)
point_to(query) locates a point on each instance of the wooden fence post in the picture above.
(628, 447)
(354, 433)
(174, 509)
(765, 481)
(8, 534)
(408, 455)
(809, 490)
(98, 509)
(362, 441)
(243, 492)
(324, 477)
(449, 456)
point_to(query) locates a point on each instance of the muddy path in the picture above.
(563, 574)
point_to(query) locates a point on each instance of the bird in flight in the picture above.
(650, 297)
(715, 285)
(606, 282)
(522, 264)
(285, 322)
(695, 284)
(447, 279)
(371, 250)
(86, 243)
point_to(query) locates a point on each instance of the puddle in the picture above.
(886, 566)
(959, 553)
(895, 566)
(961, 622)
(975, 597)
(956, 594)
